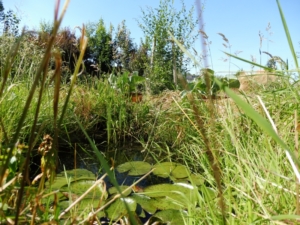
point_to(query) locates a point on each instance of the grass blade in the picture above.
(249, 62)
(286, 217)
(288, 36)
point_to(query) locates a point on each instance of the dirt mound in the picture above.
(165, 100)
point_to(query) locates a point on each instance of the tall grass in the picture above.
(253, 166)
(35, 94)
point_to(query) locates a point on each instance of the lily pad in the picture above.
(113, 190)
(118, 209)
(76, 174)
(164, 169)
(181, 180)
(181, 193)
(87, 205)
(78, 187)
(180, 171)
(170, 169)
(165, 203)
(196, 179)
(170, 217)
(134, 168)
(146, 202)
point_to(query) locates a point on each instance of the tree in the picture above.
(140, 61)
(105, 52)
(9, 20)
(1, 9)
(124, 48)
(166, 55)
(99, 53)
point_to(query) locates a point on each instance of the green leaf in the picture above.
(146, 202)
(196, 179)
(171, 217)
(118, 209)
(85, 205)
(165, 203)
(74, 175)
(135, 168)
(78, 187)
(288, 36)
(286, 217)
(164, 169)
(114, 190)
(170, 169)
(181, 193)
(180, 171)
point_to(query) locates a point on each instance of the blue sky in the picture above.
(239, 20)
